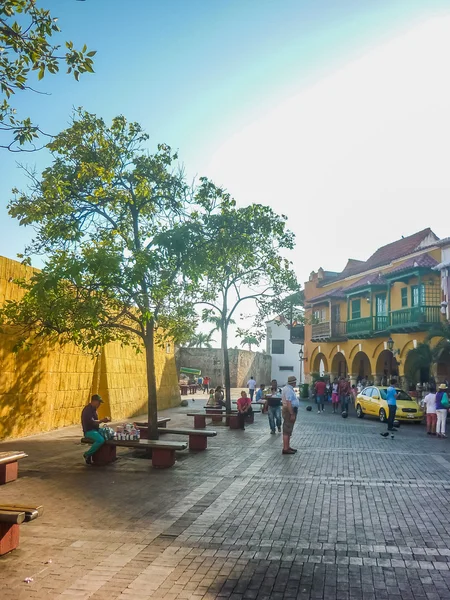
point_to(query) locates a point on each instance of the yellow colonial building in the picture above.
(363, 321)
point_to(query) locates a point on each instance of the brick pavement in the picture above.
(352, 516)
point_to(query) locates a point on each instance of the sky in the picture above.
(336, 114)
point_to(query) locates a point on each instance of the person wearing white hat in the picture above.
(289, 411)
(442, 404)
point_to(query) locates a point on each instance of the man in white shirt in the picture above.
(289, 411)
(251, 384)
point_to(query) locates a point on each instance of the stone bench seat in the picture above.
(231, 418)
(9, 466)
(163, 453)
(198, 438)
(11, 517)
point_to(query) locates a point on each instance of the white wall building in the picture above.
(285, 357)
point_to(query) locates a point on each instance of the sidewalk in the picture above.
(350, 516)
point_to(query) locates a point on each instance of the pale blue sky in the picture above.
(207, 76)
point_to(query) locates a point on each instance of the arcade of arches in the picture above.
(377, 369)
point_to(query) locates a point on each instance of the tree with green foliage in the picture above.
(26, 46)
(122, 235)
(245, 248)
(200, 340)
(425, 355)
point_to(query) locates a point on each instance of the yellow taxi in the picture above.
(372, 401)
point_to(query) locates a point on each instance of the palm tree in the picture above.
(425, 355)
(200, 340)
(249, 340)
(217, 322)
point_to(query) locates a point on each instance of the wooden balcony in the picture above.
(297, 334)
(336, 330)
(417, 318)
(367, 326)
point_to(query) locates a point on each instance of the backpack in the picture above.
(444, 400)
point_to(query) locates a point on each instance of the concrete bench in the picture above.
(9, 466)
(162, 422)
(231, 418)
(11, 517)
(198, 439)
(163, 453)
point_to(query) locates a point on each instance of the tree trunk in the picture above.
(151, 381)
(226, 369)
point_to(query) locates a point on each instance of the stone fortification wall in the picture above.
(46, 387)
(243, 364)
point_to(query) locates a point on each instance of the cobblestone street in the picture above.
(351, 516)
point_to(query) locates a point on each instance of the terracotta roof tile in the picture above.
(336, 293)
(385, 254)
(424, 261)
(368, 280)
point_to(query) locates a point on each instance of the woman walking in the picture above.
(430, 403)
(441, 410)
(335, 394)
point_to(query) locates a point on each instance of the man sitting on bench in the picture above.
(244, 406)
(91, 424)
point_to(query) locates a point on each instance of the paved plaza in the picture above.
(351, 516)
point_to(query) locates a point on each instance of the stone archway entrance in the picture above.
(387, 367)
(339, 366)
(320, 364)
(361, 368)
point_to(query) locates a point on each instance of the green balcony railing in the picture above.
(381, 323)
(367, 325)
(416, 317)
(361, 326)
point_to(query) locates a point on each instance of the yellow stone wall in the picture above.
(46, 387)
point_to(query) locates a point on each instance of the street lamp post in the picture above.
(301, 359)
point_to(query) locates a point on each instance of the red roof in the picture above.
(424, 261)
(385, 254)
(336, 293)
(367, 281)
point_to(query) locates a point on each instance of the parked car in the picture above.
(372, 401)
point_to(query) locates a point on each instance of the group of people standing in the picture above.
(203, 383)
(437, 406)
(281, 406)
(340, 392)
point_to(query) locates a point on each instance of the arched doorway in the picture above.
(418, 363)
(320, 364)
(361, 368)
(387, 367)
(443, 367)
(339, 366)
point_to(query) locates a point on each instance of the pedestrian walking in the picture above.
(273, 407)
(430, 403)
(335, 394)
(290, 406)
(320, 389)
(244, 406)
(391, 397)
(442, 404)
(344, 393)
(251, 384)
(206, 381)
